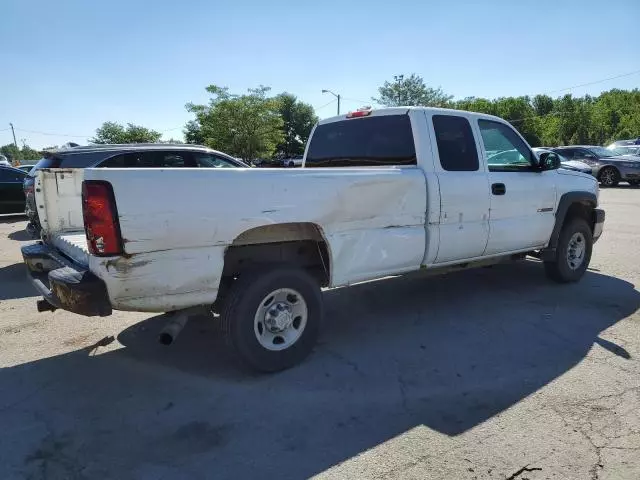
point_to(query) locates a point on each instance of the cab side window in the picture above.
(506, 152)
(456, 145)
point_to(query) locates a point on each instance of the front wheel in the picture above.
(573, 252)
(272, 317)
(609, 177)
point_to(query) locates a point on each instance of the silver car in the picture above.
(609, 165)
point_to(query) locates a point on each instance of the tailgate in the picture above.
(58, 195)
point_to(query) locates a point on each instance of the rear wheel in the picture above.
(573, 252)
(609, 177)
(272, 317)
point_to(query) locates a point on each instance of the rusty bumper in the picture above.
(65, 284)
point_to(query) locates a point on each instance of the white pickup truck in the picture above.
(382, 192)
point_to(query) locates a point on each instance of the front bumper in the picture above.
(628, 173)
(598, 223)
(65, 284)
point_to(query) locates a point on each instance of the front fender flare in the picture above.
(566, 200)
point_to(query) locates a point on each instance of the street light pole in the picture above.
(335, 95)
(14, 132)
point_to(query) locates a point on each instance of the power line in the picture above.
(362, 102)
(52, 134)
(595, 82)
(325, 105)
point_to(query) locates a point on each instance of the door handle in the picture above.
(498, 188)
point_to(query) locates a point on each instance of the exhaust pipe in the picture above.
(173, 327)
(44, 306)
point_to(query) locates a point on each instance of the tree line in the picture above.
(258, 125)
(541, 119)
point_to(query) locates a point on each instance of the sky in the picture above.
(70, 65)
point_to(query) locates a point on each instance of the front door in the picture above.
(464, 191)
(523, 199)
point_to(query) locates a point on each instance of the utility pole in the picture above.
(16, 143)
(335, 95)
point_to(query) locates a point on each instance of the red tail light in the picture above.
(100, 218)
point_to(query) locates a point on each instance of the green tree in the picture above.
(298, 120)
(28, 153)
(248, 126)
(11, 152)
(542, 104)
(112, 132)
(193, 132)
(411, 91)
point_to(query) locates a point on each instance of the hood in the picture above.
(575, 173)
(575, 164)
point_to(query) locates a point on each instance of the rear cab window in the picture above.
(383, 140)
(456, 144)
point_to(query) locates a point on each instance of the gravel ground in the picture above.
(487, 374)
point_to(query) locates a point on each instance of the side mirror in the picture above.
(549, 161)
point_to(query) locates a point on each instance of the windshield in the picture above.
(606, 152)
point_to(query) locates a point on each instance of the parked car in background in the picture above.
(292, 161)
(620, 143)
(25, 168)
(627, 149)
(573, 165)
(137, 155)
(4, 161)
(11, 194)
(609, 165)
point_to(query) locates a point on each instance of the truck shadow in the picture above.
(447, 353)
(14, 282)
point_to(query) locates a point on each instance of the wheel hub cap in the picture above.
(278, 318)
(575, 252)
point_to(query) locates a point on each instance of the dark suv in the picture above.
(140, 155)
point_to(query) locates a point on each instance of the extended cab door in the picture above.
(464, 188)
(523, 198)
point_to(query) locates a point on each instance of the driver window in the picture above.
(506, 152)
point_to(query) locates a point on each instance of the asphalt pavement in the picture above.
(494, 373)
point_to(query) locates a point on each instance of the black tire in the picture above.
(241, 306)
(560, 269)
(634, 183)
(609, 177)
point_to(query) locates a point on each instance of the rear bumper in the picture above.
(65, 284)
(598, 224)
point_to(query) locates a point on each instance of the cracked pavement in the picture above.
(487, 374)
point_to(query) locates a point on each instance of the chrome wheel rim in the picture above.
(608, 177)
(576, 251)
(280, 319)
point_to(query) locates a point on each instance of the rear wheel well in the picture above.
(295, 244)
